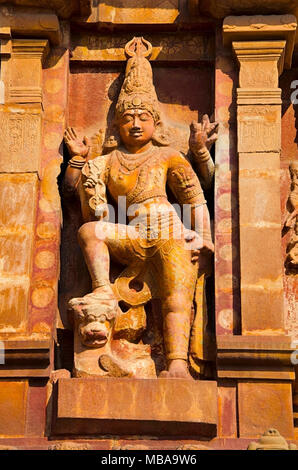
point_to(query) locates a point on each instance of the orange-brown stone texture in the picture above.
(63, 64)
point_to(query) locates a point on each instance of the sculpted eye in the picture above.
(144, 117)
(127, 118)
(91, 318)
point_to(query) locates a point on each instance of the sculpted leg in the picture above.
(97, 241)
(177, 285)
(176, 326)
(96, 314)
(96, 254)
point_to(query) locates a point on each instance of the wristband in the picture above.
(203, 155)
(77, 161)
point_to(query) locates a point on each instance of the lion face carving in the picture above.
(94, 323)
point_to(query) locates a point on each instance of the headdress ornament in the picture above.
(138, 91)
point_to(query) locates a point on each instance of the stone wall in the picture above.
(65, 68)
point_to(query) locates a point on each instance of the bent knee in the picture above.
(93, 231)
(86, 232)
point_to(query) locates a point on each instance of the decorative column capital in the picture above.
(30, 48)
(30, 22)
(269, 29)
(251, 51)
(27, 55)
(261, 64)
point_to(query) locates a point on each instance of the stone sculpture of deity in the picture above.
(292, 221)
(160, 256)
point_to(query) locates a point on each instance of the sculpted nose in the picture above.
(136, 122)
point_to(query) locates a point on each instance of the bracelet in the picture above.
(203, 155)
(77, 162)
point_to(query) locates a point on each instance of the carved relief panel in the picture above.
(19, 139)
(94, 95)
(259, 128)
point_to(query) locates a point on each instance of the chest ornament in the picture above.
(130, 162)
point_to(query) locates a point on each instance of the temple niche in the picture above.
(156, 323)
(148, 224)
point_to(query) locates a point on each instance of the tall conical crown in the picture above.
(138, 91)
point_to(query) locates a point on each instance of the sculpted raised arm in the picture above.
(202, 137)
(78, 150)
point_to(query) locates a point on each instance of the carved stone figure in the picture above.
(292, 220)
(162, 256)
(271, 440)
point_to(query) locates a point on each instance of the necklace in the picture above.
(131, 161)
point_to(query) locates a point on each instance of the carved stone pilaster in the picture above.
(260, 359)
(25, 70)
(263, 47)
(21, 115)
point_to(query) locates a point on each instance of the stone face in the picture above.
(149, 405)
(90, 105)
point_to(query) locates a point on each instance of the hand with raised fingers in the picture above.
(201, 251)
(202, 135)
(75, 145)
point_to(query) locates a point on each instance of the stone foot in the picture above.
(104, 293)
(101, 301)
(178, 369)
(113, 366)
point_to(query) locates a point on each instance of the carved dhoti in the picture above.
(160, 247)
